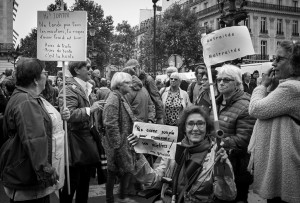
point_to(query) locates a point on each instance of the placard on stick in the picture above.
(226, 44)
(159, 140)
(62, 35)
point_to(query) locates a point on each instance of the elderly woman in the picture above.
(196, 176)
(232, 106)
(32, 160)
(174, 100)
(118, 122)
(275, 137)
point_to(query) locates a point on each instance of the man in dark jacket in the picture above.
(149, 84)
(248, 85)
(78, 101)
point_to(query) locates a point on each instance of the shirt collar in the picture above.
(84, 85)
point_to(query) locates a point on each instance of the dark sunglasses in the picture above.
(225, 80)
(174, 79)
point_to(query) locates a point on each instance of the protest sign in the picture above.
(159, 140)
(62, 35)
(226, 44)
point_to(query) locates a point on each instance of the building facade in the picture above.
(269, 22)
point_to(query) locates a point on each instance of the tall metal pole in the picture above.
(154, 36)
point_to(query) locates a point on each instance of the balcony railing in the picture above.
(264, 57)
(273, 7)
(264, 31)
(295, 34)
(280, 33)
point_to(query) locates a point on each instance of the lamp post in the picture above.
(154, 36)
(93, 52)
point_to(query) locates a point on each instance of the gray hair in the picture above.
(233, 71)
(176, 74)
(118, 79)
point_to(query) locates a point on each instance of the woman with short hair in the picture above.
(275, 140)
(234, 120)
(118, 122)
(32, 160)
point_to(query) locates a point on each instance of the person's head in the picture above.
(30, 73)
(79, 69)
(133, 63)
(103, 82)
(247, 77)
(195, 123)
(10, 86)
(96, 73)
(59, 81)
(8, 72)
(92, 82)
(175, 80)
(204, 79)
(255, 74)
(121, 81)
(159, 84)
(171, 70)
(229, 78)
(108, 83)
(285, 63)
(199, 70)
(129, 70)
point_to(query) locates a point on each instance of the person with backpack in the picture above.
(149, 84)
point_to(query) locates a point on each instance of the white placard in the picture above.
(226, 44)
(62, 35)
(159, 140)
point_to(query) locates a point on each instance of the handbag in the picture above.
(83, 148)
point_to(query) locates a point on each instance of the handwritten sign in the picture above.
(226, 44)
(62, 36)
(159, 140)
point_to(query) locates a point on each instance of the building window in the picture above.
(247, 23)
(263, 48)
(263, 1)
(279, 3)
(295, 28)
(278, 43)
(263, 25)
(279, 27)
(295, 4)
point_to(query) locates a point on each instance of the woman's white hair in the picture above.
(118, 79)
(176, 74)
(233, 71)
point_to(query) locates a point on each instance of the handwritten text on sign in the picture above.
(226, 44)
(159, 140)
(61, 36)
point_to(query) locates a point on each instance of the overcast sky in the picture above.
(120, 10)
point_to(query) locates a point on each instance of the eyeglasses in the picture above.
(277, 59)
(225, 80)
(174, 79)
(204, 79)
(199, 124)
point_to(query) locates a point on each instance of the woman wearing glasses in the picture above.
(194, 177)
(232, 106)
(275, 141)
(174, 100)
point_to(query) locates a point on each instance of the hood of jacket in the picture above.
(137, 84)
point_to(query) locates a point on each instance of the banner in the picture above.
(226, 44)
(155, 139)
(62, 35)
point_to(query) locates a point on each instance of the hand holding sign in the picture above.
(159, 140)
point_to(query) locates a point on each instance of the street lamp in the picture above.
(154, 36)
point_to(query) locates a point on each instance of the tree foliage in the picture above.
(176, 33)
(122, 48)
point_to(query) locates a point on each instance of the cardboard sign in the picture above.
(62, 35)
(226, 44)
(159, 140)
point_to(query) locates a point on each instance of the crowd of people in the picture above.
(259, 118)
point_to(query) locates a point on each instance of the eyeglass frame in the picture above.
(277, 59)
(225, 80)
(190, 127)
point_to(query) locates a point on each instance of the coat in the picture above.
(118, 122)
(277, 141)
(140, 101)
(237, 125)
(28, 151)
(185, 101)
